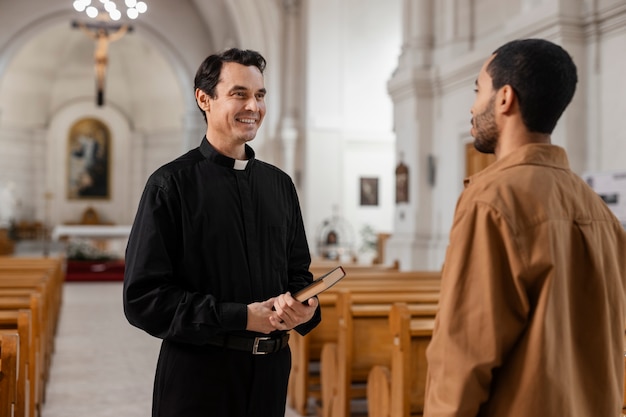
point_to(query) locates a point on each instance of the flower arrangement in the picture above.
(80, 250)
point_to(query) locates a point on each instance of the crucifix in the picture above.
(103, 34)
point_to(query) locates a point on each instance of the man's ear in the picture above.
(505, 97)
(202, 99)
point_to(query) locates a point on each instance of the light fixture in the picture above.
(107, 9)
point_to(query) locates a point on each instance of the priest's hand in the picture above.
(290, 312)
(259, 316)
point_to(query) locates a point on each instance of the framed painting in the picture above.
(369, 191)
(88, 160)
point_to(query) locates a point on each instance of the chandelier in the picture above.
(103, 7)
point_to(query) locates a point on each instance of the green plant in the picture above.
(369, 240)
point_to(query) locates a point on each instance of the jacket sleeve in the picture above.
(153, 298)
(481, 313)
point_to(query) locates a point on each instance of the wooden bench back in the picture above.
(364, 341)
(20, 321)
(399, 390)
(366, 287)
(9, 344)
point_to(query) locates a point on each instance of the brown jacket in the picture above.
(531, 320)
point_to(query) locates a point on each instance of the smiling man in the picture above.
(531, 314)
(216, 249)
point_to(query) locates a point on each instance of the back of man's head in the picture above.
(543, 76)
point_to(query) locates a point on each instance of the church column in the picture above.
(194, 128)
(289, 125)
(411, 90)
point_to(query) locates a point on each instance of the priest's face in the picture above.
(484, 126)
(236, 113)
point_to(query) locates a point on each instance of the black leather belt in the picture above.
(261, 345)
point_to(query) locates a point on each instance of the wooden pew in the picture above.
(33, 285)
(306, 350)
(53, 269)
(399, 390)
(319, 267)
(9, 345)
(20, 321)
(364, 340)
(31, 302)
(25, 286)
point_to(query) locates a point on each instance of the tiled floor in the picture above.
(102, 366)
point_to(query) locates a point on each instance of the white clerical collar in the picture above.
(240, 165)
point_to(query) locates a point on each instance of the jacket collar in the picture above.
(531, 154)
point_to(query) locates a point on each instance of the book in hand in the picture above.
(321, 284)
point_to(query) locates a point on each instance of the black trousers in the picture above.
(211, 381)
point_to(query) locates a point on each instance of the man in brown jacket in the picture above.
(531, 319)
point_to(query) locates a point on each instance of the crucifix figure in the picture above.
(103, 35)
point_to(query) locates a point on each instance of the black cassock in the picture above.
(211, 236)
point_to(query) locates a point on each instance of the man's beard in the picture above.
(486, 136)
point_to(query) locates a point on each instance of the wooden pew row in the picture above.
(306, 350)
(20, 321)
(319, 268)
(9, 345)
(32, 303)
(33, 285)
(52, 268)
(45, 326)
(399, 390)
(376, 275)
(364, 341)
(44, 274)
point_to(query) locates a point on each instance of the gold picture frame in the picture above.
(88, 160)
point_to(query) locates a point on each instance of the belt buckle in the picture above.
(255, 347)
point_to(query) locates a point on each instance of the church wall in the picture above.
(20, 165)
(609, 71)
(463, 36)
(351, 50)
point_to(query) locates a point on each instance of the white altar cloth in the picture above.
(90, 232)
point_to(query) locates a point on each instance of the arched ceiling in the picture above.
(57, 67)
(45, 64)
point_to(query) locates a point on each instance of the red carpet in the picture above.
(95, 270)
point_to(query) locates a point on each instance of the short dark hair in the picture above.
(543, 76)
(208, 74)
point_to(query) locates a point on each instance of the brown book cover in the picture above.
(321, 284)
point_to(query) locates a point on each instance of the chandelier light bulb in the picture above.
(134, 8)
(110, 6)
(115, 15)
(79, 6)
(92, 12)
(132, 13)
